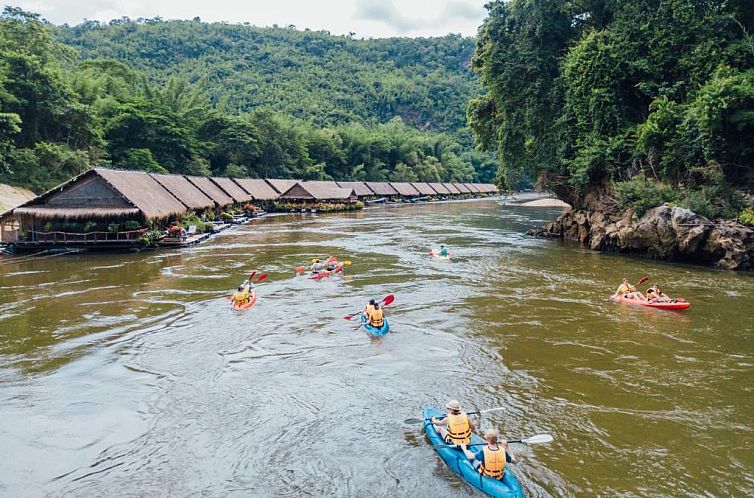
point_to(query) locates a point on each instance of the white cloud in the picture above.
(367, 18)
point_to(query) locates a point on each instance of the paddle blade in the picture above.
(331, 259)
(388, 299)
(261, 277)
(348, 317)
(300, 269)
(347, 263)
(499, 408)
(644, 279)
(538, 439)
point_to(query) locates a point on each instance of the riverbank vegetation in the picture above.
(231, 100)
(647, 101)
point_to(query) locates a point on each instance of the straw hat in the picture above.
(453, 404)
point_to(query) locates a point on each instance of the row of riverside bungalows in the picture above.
(99, 194)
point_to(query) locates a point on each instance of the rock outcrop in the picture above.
(669, 233)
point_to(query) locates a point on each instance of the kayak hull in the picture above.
(251, 302)
(454, 458)
(375, 331)
(437, 255)
(327, 273)
(660, 306)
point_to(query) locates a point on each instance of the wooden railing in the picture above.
(86, 238)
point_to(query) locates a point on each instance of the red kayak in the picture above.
(248, 304)
(643, 302)
(327, 273)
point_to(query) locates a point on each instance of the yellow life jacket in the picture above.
(375, 317)
(368, 311)
(623, 289)
(494, 463)
(651, 293)
(459, 430)
(240, 297)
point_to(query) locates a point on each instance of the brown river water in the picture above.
(128, 374)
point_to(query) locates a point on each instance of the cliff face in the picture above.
(669, 233)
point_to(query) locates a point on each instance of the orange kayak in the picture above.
(327, 273)
(248, 304)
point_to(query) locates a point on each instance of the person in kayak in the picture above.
(655, 295)
(490, 460)
(317, 267)
(376, 318)
(455, 428)
(241, 296)
(628, 291)
(368, 310)
(443, 251)
(331, 264)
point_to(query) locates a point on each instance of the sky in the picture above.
(365, 18)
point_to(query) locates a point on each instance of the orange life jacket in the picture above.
(494, 463)
(459, 429)
(375, 318)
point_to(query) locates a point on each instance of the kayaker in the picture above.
(443, 251)
(369, 308)
(331, 264)
(248, 286)
(655, 295)
(375, 318)
(318, 266)
(628, 291)
(241, 296)
(455, 428)
(491, 459)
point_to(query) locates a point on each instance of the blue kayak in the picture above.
(508, 487)
(375, 331)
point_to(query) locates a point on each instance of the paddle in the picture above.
(385, 301)
(419, 420)
(538, 439)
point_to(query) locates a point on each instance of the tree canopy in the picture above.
(232, 100)
(626, 95)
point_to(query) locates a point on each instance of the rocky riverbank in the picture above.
(668, 233)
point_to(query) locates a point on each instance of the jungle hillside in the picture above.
(643, 102)
(232, 100)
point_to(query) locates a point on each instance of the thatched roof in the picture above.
(472, 187)
(424, 188)
(381, 188)
(211, 190)
(184, 191)
(57, 212)
(143, 192)
(487, 188)
(405, 189)
(452, 188)
(439, 188)
(11, 197)
(318, 191)
(259, 189)
(360, 188)
(281, 185)
(463, 188)
(229, 186)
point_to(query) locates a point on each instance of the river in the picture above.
(128, 374)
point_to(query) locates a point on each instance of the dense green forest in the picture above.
(647, 101)
(231, 100)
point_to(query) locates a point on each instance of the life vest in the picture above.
(459, 430)
(375, 317)
(444, 252)
(240, 297)
(494, 463)
(652, 293)
(368, 311)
